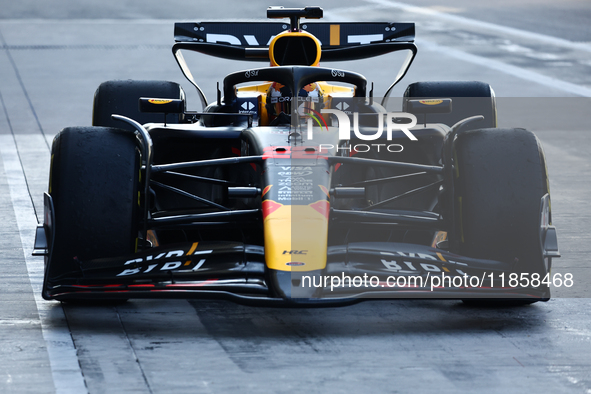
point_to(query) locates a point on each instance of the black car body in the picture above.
(296, 186)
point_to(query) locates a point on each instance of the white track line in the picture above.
(456, 19)
(515, 71)
(507, 69)
(63, 359)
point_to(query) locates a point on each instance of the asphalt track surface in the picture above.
(535, 53)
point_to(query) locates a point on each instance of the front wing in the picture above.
(237, 272)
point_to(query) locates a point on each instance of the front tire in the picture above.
(499, 181)
(94, 185)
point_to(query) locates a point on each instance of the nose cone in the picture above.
(296, 237)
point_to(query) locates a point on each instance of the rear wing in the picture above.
(250, 41)
(259, 34)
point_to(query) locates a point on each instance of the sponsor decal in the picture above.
(338, 73)
(168, 265)
(364, 38)
(159, 101)
(295, 184)
(247, 105)
(342, 106)
(251, 73)
(431, 102)
(400, 263)
(334, 37)
(295, 263)
(295, 171)
(295, 252)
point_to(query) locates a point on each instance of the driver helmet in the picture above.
(279, 101)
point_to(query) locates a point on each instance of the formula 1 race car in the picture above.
(296, 186)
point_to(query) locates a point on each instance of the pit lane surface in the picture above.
(53, 59)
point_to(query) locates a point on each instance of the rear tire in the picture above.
(499, 181)
(469, 98)
(94, 184)
(122, 98)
